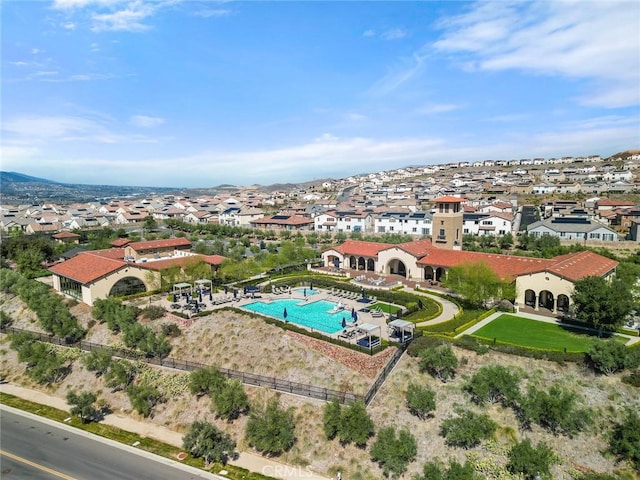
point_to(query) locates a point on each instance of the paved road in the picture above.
(33, 448)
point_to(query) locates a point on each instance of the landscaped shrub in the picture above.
(170, 330)
(632, 379)
(454, 471)
(44, 365)
(205, 381)
(230, 401)
(331, 419)
(355, 425)
(421, 401)
(492, 384)
(82, 405)
(624, 439)
(143, 398)
(440, 362)
(423, 342)
(468, 430)
(120, 375)
(153, 312)
(556, 410)
(394, 452)
(271, 430)
(208, 442)
(530, 461)
(610, 356)
(97, 361)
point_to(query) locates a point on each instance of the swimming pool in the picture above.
(314, 315)
(308, 291)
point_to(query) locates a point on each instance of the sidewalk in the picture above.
(449, 309)
(248, 460)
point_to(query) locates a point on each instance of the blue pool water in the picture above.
(309, 291)
(313, 315)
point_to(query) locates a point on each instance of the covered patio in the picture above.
(401, 330)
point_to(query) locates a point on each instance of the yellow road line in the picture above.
(36, 465)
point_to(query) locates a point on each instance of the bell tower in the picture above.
(447, 223)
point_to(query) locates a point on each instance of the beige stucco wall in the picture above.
(386, 256)
(542, 281)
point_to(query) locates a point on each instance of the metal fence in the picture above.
(395, 358)
(246, 378)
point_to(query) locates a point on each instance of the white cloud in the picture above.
(393, 34)
(438, 108)
(369, 33)
(145, 121)
(130, 19)
(596, 41)
(213, 12)
(36, 51)
(407, 69)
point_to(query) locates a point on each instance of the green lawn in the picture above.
(385, 307)
(531, 333)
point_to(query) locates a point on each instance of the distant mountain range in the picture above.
(6, 177)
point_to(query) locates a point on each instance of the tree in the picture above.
(206, 441)
(205, 381)
(529, 460)
(478, 283)
(505, 242)
(82, 404)
(331, 419)
(355, 425)
(439, 362)
(421, 401)
(455, 471)
(556, 410)
(150, 223)
(601, 303)
(624, 439)
(271, 430)
(231, 400)
(467, 430)
(393, 453)
(143, 398)
(494, 383)
(610, 356)
(120, 375)
(98, 361)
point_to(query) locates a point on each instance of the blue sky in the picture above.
(199, 93)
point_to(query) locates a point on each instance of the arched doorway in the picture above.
(397, 267)
(361, 263)
(371, 265)
(428, 273)
(546, 300)
(440, 272)
(127, 286)
(353, 262)
(530, 298)
(563, 303)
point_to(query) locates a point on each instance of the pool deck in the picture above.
(221, 300)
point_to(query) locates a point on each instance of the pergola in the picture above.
(200, 284)
(367, 330)
(401, 329)
(179, 287)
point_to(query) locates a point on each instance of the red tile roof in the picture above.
(448, 199)
(181, 261)
(418, 248)
(575, 266)
(120, 242)
(360, 248)
(86, 267)
(63, 235)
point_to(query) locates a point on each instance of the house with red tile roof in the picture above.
(283, 222)
(540, 282)
(98, 274)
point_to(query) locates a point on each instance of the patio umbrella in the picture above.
(210, 296)
(311, 286)
(305, 292)
(235, 293)
(200, 295)
(284, 314)
(175, 298)
(355, 317)
(364, 297)
(226, 289)
(420, 304)
(344, 322)
(353, 313)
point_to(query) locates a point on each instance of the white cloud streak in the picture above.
(145, 121)
(596, 41)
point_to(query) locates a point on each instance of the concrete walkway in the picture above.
(449, 309)
(631, 340)
(248, 460)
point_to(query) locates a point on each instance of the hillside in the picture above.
(275, 353)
